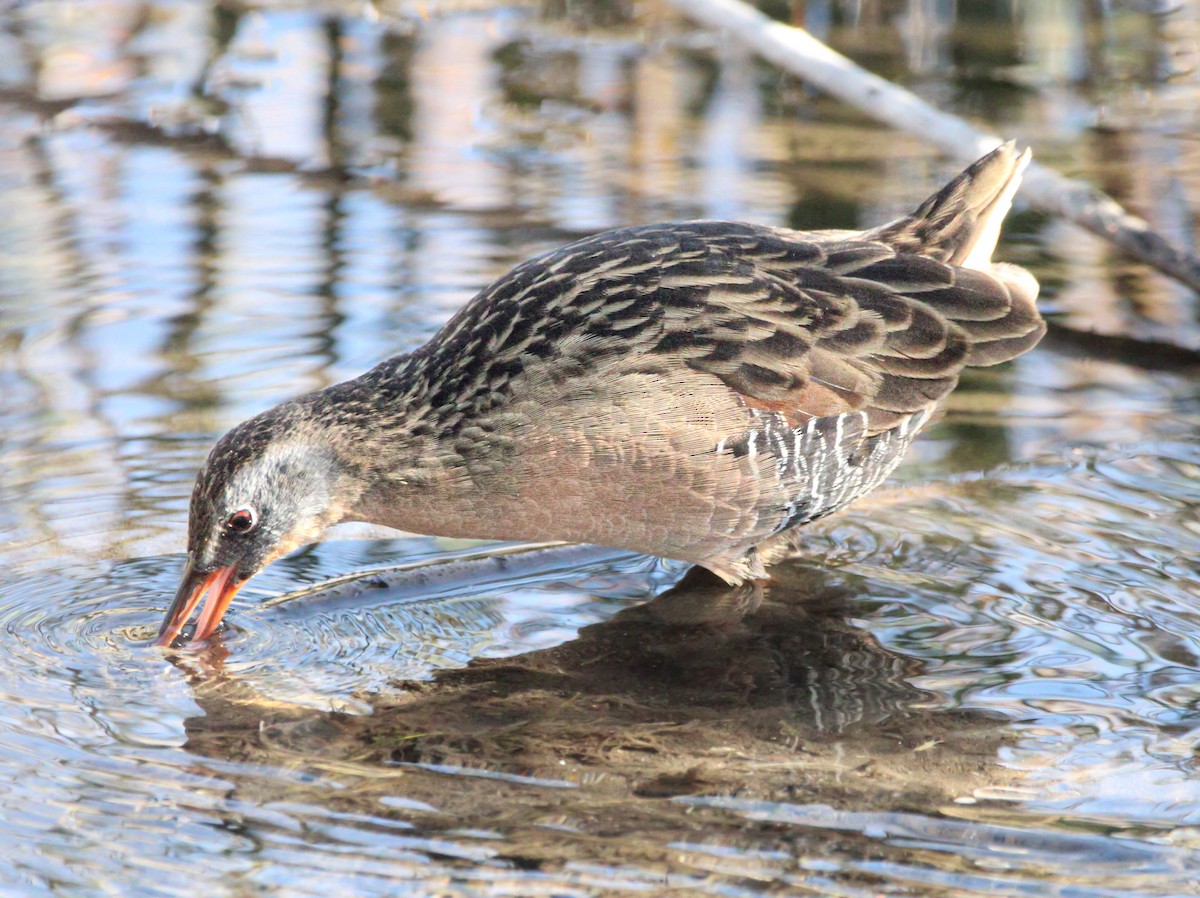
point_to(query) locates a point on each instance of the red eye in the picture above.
(241, 520)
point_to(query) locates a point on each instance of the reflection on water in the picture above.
(982, 682)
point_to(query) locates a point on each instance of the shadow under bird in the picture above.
(692, 390)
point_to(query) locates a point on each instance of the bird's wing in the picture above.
(854, 326)
(808, 327)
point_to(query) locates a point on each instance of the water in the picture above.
(980, 681)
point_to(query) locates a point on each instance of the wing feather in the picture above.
(805, 324)
(881, 331)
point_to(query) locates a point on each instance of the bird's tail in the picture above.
(959, 226)
(960, 223)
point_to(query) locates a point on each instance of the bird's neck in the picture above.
(408, 461)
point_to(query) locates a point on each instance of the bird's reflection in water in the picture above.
(756, 690)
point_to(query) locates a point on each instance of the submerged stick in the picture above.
(1149, 355)
(796, 51)
(430, 579)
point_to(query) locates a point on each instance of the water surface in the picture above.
(979, 681)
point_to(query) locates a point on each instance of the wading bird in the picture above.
(693, 390)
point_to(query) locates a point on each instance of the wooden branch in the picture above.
(798, 52)
(1149, 355)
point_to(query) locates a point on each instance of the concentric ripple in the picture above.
(323, 644)
(316, 645)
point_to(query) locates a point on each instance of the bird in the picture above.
(693, 390)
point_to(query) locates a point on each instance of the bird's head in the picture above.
(267, 487)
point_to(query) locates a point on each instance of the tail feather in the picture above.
(960, 224)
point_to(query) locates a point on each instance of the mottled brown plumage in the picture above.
(690, 390)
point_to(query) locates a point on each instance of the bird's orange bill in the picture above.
(220, 587)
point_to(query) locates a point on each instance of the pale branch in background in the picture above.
(799, 53)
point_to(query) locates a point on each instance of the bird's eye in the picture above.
(241, 520)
